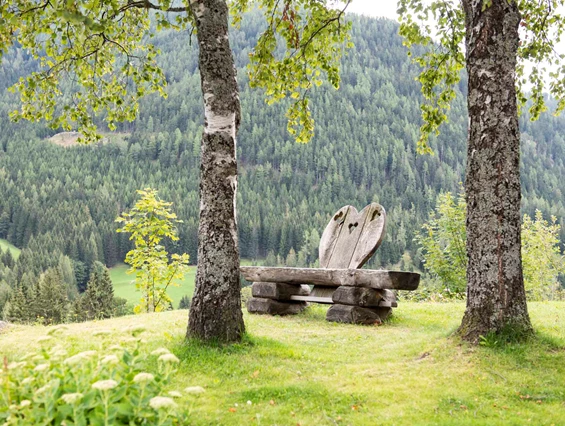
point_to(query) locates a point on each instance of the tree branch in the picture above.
(146, 4)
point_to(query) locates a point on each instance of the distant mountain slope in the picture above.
(60, 201)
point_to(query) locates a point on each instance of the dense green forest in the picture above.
(59, 204)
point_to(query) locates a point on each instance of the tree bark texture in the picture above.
(215, 313)
(496, 297)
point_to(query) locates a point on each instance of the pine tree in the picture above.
(51, 302)
(4, 224)
(17, 308)
(97, 302)
(184, 302)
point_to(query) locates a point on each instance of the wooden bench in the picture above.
(357, 296)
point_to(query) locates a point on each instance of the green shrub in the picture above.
(110, 386)
(122, 307)
(184, 302)
(245, 295)
(442, 242)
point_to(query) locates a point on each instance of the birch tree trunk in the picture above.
(496, 298)
(215, 313)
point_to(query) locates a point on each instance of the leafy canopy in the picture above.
(439, 26)
(95, 59)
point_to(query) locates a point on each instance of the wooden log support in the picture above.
(278, 291)
(392, 280)
(357, 315)
(364, 297)
(257, 305)
(359, 296)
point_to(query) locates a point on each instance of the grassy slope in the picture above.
(303, 370)
(123, 286)
(6, 245)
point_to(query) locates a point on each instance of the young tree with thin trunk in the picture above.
(101, 44)
(493, 56)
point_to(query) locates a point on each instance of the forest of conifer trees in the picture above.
(59, 204)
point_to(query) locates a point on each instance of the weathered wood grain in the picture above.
(377, 279)
(371, 237)
(350, 239)
(357, 315)
(331, 234)
(257, 305)
(315, 299)
(278, 291)
(339, 245)
(329, 301)
(357, 296)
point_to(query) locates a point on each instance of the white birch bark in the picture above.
(215, 313)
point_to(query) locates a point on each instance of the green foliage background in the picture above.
(61, 202)
(443, 238)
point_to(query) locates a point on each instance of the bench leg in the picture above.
(357, 315)
(259, 305)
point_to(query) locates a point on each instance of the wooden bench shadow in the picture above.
(357, 296)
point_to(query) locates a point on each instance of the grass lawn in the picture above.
(6, 245)
(303, 370)
(123, 286)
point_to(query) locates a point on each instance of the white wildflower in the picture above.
(249, 403)
(76, 359)
(104, 385)
(71, 398)
(25, 403)
(116, 348)
(16, 365)
(41, 367)
(44, 339)
(169, 358)
(59, 354)
(159, 402)
(27, 380)
(175, 394)
(160, 351)
(41, 389)
(143, 377)
(194, 389)
(110, 359)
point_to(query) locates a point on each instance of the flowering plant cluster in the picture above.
(110, 386)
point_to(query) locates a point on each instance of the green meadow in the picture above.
(125, 287)
(6, 245)
(302, 370)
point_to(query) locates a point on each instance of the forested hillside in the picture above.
(59, 204)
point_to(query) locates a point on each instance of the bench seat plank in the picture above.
(329, 301)
(377, 279)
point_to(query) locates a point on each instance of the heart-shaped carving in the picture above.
(352, 248)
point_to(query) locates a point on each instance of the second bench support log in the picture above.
(278, 291)
(357, 315)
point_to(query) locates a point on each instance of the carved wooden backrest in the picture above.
(352, 237)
